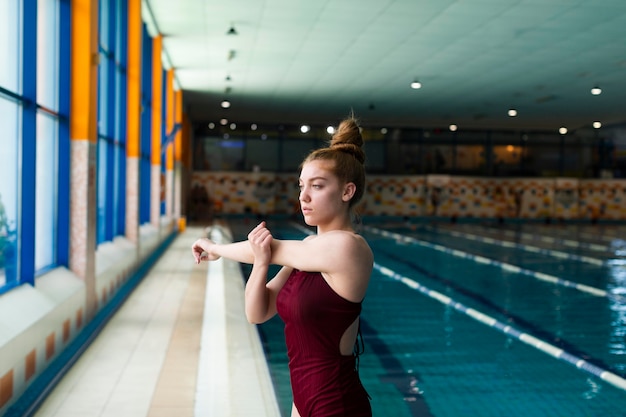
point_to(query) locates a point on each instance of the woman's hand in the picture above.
(260, 240)
(201, 250)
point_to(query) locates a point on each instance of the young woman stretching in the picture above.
(323, 280)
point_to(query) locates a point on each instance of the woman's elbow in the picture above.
(255, 318)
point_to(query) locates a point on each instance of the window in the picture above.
(47, 133)
(8, 190)
(9, 120)
(146, 123)
(111, 121)
(9, 47)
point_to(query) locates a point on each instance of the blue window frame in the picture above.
(111, 183)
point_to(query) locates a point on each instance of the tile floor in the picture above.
(180, 346)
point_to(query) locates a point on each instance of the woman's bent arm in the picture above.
(257, 294)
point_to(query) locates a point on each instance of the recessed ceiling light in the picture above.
(512, 112)
(253, 126)
(597, 125)
(596, 91)
(453, 128)
(330, 130)
(305, 128)
(223, 122)
(225, 104)
(563, 130)
(416, 84)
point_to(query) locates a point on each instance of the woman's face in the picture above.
(321, 193)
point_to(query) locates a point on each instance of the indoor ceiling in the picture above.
(312, 62)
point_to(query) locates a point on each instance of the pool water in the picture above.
(427, 358)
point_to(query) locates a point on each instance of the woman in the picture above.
(324, 278)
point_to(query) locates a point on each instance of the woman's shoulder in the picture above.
(346, 241)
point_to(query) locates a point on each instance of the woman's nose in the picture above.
(303, 195)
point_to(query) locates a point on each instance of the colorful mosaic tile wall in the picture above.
(438, 195)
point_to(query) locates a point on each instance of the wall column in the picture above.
(133, 134)
(83, 147)
(157, 106)
(169, 151)
(178, 143)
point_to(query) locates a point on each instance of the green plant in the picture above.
(4, 233)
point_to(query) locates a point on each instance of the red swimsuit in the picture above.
(324, 382)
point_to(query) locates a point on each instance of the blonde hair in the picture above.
(345, 150)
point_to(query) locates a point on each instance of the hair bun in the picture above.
(348, 139)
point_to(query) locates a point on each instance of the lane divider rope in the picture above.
(598, 292)
(528, 248)
(526, 338)
(550, 239)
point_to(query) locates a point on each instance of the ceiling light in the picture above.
(563, 130)
(512, 112)
(305, 128)
(597, 125)
(596, 91)
(330, 130)
(211, 125)
(225, 104)
(233, 126)
(223, 122)
(253, 126)
(416, 84)
(453, 128)
(232, 30)
(383, 130)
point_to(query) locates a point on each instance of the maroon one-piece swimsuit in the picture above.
(324, 382)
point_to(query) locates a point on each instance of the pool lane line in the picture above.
(560, 354)
(503, 265)
(600, 235)
(490, 305)
(528, 248)
(550, 239)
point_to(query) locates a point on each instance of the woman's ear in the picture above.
(348, 191)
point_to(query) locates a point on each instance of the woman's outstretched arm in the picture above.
(238, 251)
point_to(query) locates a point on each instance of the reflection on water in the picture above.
(617, 285)
(593, 391)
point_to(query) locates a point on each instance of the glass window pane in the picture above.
(293, 153)
(375, 156)
(9, 45)
(47, 53)
(46, 191)
(8, 190)
(262, 154)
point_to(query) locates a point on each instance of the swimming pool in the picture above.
(478, 320)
